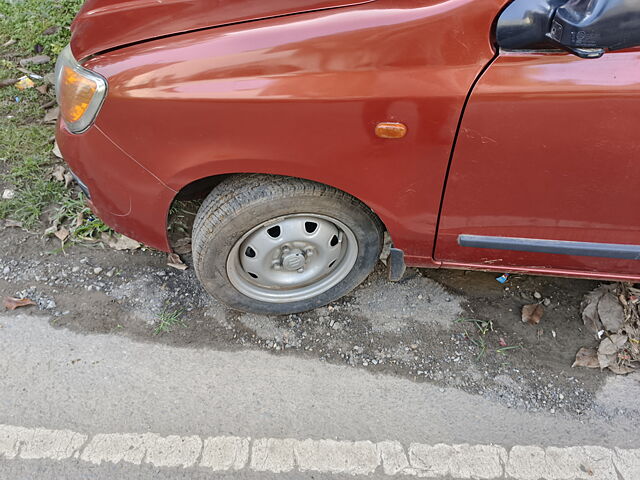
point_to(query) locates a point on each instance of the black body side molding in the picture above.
(560, 247)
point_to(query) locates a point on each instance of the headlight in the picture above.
(80, 92)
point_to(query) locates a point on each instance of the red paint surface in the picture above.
(104, 24)
(123, 194)
(558, 160)
(300, 95)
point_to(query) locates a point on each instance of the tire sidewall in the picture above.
(211, 262)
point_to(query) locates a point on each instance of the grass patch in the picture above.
(167, 320)
(35, 191)
(483, 328)
(30, 27)
(74, 215)
(38, 26)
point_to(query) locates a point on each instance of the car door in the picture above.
(545, 174)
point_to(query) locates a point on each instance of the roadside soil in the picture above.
(428, 327)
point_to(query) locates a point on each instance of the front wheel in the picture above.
(278, 245)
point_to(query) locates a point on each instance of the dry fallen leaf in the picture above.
(68, 178)
(52, 115)
(43, 89)
(36, 60)
(611, 312)
(56, 150)
(79, 219)
(174, 260)
(120, 242)
(58, 173)
(7, 82)
(62, 234)
(182, 245)
(532, 314)
(586, 357)
(11, 303)
(51, 30)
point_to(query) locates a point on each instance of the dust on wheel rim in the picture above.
(292, 258)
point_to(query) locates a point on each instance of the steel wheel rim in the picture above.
(292, 258)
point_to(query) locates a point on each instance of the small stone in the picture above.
(8, 194)
(6, 270)
(537, 295)
(420, 297)
(547, 302)
(75, 269)
(97, 270)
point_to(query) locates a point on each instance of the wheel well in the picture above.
(199, 189)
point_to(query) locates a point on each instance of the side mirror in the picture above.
(588, 28)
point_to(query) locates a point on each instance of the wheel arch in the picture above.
(201, 187)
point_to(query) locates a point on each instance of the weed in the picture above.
(37, 26)
(483, 326)
(82, 224)
(504, 350)
(167, 319)
(480, 343)
(35, 191)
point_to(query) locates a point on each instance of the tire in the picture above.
(234, 234)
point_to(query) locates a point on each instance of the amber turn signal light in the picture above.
(76, 93)
(391, 130)
(80, 92)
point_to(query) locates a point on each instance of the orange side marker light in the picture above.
(391, 130)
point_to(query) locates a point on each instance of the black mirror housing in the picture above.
(597, 25)
(586, 28)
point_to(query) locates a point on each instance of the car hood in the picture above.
(106, 24)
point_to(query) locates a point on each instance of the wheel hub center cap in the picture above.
(294, 260)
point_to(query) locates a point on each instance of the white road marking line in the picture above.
(459, 461)
(353, 458)
(36, 443)
(627, 462)
(273, 455)
(225, 453)
(360, 458)
(115, 448)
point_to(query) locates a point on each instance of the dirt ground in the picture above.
(449, 328)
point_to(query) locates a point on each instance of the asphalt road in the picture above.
(104, 406)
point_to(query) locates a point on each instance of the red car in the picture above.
(480, 134)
